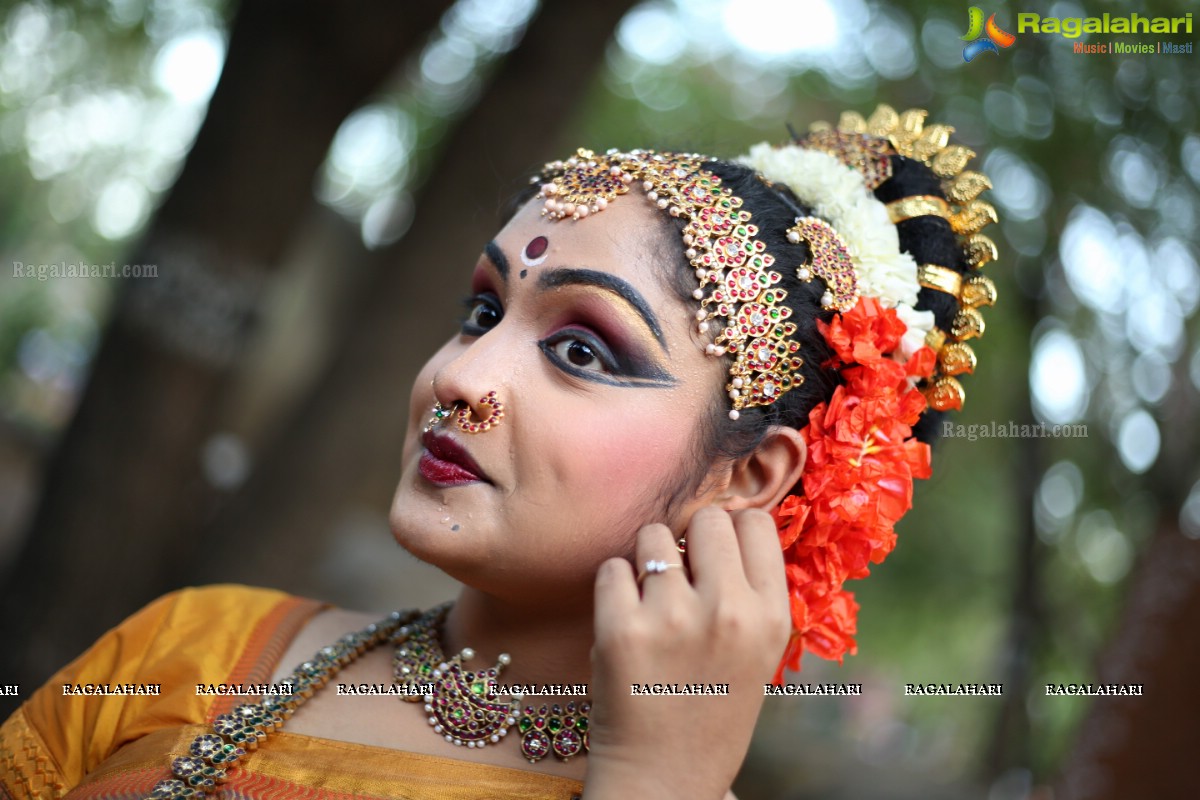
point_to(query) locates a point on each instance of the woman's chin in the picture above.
(432, 536)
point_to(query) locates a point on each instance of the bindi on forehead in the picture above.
(535, 252)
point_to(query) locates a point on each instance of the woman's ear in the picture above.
(763, 478)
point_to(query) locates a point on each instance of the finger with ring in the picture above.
(655, 567)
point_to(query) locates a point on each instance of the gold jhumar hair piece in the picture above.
(740, 305)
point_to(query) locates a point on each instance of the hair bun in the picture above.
(933, 200)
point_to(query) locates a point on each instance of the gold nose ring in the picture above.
(463, 418)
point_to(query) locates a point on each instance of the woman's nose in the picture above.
(474, 384)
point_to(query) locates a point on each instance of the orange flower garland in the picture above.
(857, 481)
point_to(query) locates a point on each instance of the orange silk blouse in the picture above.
(118, 746)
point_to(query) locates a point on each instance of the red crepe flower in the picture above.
(857, 482)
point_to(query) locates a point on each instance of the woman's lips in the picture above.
(446, 463)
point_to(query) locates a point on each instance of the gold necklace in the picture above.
(211, 755)
(453, 692)
(465, 706)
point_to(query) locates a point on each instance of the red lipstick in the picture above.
(446, 463)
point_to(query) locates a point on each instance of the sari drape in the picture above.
(118, 746)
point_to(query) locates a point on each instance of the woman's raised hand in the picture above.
(721, 622)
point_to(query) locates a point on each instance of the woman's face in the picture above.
(603, 382)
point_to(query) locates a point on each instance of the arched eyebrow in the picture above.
(497, 257)
(565, 276)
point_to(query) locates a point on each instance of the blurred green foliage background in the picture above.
(1021, 554)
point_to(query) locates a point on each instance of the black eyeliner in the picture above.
(636, 376)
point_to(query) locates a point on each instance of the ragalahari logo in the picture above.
(991, 32)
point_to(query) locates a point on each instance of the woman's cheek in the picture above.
(595, 492)
(631, 465)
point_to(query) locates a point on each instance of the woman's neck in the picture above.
(548, 644)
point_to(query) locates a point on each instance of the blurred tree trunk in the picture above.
(1010, 746)
(1145, 746)
(124, 492)
(344, 443)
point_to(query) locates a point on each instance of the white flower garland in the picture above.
(837, 194)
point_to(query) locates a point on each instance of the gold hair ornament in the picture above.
(829, 259)
(739, 302)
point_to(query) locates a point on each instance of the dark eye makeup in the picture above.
(579, 352)
(483, 313)
(574, 350)
(582, 354)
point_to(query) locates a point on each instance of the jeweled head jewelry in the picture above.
(829, 259)
(740, 304)
(462, 415)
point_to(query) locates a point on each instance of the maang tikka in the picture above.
(462, 416)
